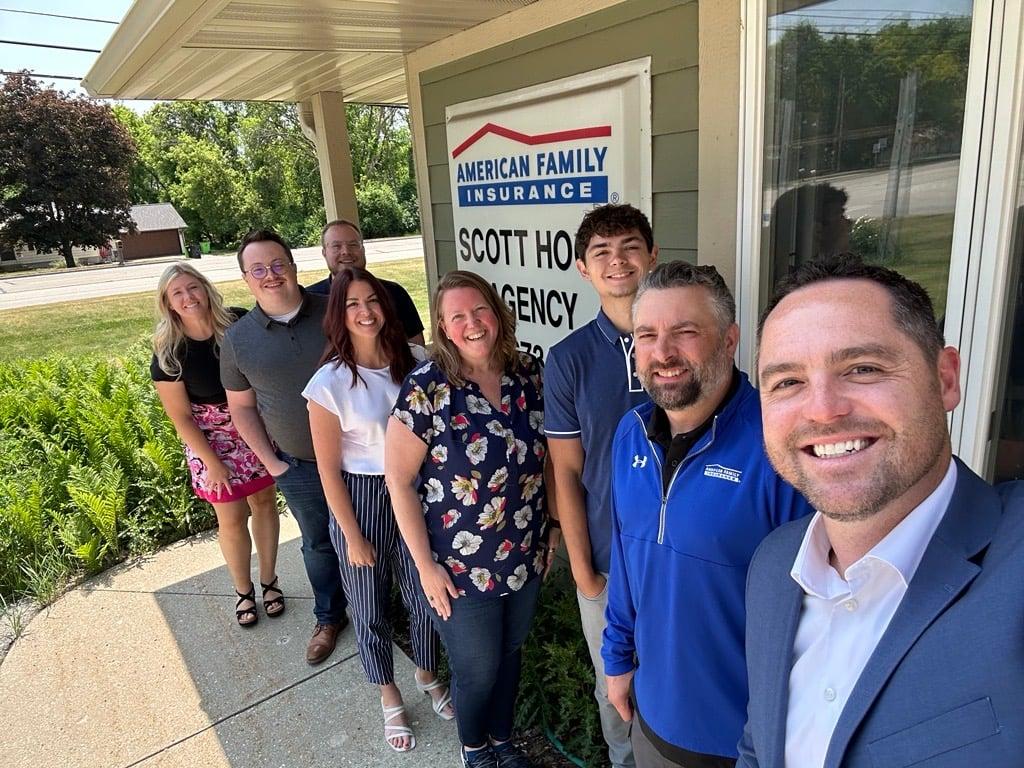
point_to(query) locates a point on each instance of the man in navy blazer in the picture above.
(888, 628)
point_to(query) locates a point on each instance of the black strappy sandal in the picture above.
(241, 613)
(273, 602)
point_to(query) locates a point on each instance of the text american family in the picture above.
(523, 248)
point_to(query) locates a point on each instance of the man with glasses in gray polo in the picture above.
(266, 359)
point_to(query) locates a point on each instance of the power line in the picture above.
(48, 45)
(41, 77)
(58, 16)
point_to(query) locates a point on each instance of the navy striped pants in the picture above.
(369, 588)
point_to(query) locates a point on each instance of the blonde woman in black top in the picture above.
(225, 472)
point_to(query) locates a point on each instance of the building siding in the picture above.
(665, 30)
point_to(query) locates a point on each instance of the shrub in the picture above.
(557, 689)
(380, 213)
(91, 470)
(867, 236)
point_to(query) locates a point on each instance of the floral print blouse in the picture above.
(482, 482)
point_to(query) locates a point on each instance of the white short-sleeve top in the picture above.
(362, 410)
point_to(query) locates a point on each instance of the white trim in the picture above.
(749, 195)
(983, 212)
(984, 321)
(419, 149)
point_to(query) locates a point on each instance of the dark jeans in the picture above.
(484, 640)
(305, 496)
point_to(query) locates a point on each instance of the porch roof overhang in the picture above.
(276, 50)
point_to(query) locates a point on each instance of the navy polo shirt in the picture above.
(590, 381)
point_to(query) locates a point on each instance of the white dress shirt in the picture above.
(844, 617)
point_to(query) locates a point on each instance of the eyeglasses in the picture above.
(259, 271)
(350, 245)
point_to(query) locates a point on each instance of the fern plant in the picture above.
(91, 470)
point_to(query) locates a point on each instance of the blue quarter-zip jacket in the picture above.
(679, 566)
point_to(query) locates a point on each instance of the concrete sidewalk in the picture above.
(145, 666)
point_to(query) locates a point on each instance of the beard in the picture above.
(905, 459)
(702, 379)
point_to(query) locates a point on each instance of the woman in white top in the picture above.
(350, 398)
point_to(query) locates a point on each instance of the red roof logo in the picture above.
(532, 140)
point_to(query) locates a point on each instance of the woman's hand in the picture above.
(218, 478)
(361, 553)
(437, 586)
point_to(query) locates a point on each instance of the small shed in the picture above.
(159, 231)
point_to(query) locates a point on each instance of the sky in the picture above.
(24, 27)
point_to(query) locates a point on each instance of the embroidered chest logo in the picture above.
(639, 462)
(722, 473)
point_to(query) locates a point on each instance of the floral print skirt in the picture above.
(248, 475)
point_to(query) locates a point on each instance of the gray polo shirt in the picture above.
(276, 360)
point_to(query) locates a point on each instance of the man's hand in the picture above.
(277, 468)
(554, 540)
(618, 694)
(590, 584)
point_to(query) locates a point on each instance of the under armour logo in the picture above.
(639, 461)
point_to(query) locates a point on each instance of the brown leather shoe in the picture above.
(321, 644)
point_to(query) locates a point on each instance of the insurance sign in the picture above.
(525, 167)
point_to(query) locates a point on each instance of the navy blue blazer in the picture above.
(945, 686)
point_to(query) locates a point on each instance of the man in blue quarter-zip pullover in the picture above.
(692, 496)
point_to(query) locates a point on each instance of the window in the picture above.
(864, 114)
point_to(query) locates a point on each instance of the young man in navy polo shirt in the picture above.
(590, 381)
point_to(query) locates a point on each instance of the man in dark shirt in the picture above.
(342, 246)
(266, 359)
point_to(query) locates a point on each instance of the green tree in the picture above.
(262, 169)
(65, 169)
(381, 147)
(207, 190)
(281, 171)
(146, 186)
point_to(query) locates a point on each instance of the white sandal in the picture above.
(396, 731)
(437, 704)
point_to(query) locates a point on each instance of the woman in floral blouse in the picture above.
(464, 462)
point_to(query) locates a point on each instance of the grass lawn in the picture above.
(108, 326)
(926, 242)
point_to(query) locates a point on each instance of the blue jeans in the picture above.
(484, 640)
(301, 487)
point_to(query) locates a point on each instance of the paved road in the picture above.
(135, 277)
(931, 188)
